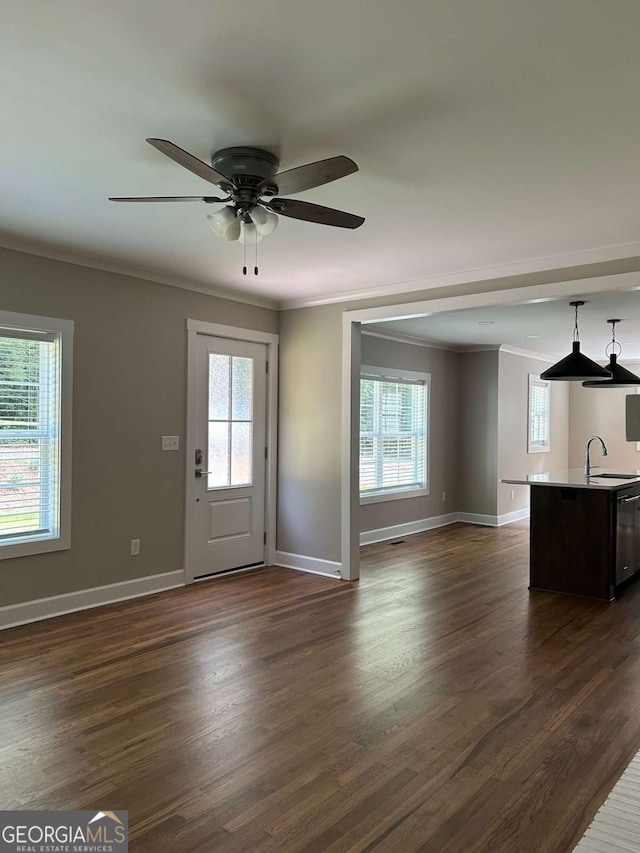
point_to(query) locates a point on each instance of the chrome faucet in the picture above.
(587, 461)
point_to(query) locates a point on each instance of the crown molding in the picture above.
(408, 339)
(533, 265)
(400, 289)
(423, 342)
(522, 353)
(525, 353)
(105, 265)
(479, 348)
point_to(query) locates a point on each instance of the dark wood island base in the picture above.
(584, 541)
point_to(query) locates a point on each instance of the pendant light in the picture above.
(620, 376)
(575, 366)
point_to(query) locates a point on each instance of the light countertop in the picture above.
(575, 477)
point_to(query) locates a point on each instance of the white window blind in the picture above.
(393, 429)
(539, 414)
(29, 436)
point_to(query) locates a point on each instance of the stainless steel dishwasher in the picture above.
(627, 535)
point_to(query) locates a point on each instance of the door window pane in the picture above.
(240, 453)
(230, 459)
(219, 367)
(218, 455)
(242, 389)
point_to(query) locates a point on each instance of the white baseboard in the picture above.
(314, 565)
(517, 515)
(57, 605)
(478, 518)
(382, 534)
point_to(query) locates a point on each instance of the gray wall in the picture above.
(310, 405)
(478, 436)
(513, 404)
(129, 389)
(443, 426)
(601, 412)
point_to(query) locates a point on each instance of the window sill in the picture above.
(27, 547)
(380, 497)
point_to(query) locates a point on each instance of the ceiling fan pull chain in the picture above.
(244, 268)
(255, 269)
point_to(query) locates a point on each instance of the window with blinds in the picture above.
(29, 436)
(393, 434)
(539, 414)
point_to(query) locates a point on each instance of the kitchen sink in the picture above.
(616, 476)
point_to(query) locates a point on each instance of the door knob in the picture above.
(201, 473)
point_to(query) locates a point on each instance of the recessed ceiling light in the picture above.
(532, 336)
(485, 323)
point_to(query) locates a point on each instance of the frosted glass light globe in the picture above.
(221, 221)
(249, 235)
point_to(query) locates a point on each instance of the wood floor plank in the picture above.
(435, 705)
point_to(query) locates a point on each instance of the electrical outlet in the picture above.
(513, 494)
(171, 442)
(444, 497)
(135, 547)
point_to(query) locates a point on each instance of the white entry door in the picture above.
(226, 529)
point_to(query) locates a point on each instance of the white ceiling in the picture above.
(544, 327)
(486, 133)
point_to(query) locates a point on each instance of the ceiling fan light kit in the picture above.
(250, 179)
(576, 366)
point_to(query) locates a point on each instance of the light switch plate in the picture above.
(171, 442)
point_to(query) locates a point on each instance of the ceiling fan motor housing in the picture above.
(248, 168)
(238, 163)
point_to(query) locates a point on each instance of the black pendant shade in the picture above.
(576, 367)
(620, 376)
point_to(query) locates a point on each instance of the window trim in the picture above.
(63, 329)
(534, 377)
(398, 375)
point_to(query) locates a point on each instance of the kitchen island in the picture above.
(585, 531)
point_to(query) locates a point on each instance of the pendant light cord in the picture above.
(576, 334)
(613, 343)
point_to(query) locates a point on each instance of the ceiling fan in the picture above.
(251, 183)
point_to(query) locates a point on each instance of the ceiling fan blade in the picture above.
(314, 213)
(198, 167)
(208, 199)
(313, 174)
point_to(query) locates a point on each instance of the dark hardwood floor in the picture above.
(436, 705)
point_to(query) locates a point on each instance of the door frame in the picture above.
(216, 330)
